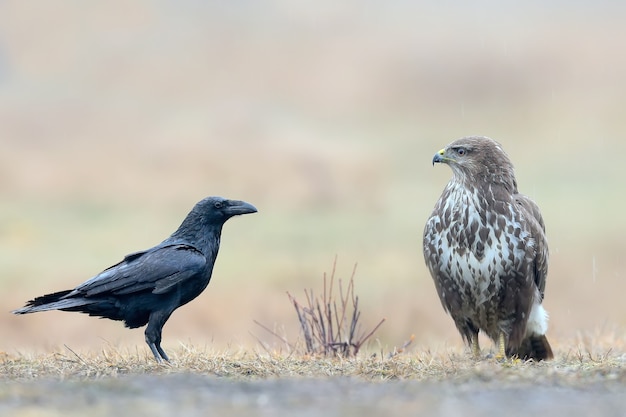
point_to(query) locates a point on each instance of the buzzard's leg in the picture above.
(475, 346)
(501, 355)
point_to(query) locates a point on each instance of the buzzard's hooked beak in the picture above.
(439, 157)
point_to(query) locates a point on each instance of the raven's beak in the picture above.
(439, 156)
(236, 207)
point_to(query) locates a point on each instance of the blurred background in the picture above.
(117, 117)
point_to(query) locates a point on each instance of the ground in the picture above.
(241, 383)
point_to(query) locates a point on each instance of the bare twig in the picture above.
(325, 325)
(330, 326)
(76, 354)
(402, 348)
(282, 339)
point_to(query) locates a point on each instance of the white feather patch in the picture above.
(537, 321)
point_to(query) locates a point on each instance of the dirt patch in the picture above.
(200, 395)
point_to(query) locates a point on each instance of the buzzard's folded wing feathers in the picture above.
(534, 221)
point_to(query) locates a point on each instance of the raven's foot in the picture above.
(158, 352)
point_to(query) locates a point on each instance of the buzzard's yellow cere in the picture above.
(486, 249)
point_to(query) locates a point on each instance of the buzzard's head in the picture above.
(478, 158)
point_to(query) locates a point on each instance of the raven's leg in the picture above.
(155, 352)
(162, 352)
(153, 334)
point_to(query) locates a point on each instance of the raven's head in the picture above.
(210, 214)
(219, 209)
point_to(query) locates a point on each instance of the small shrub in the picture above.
(330, 325)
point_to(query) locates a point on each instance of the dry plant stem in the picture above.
(290, 348)
(331, 326)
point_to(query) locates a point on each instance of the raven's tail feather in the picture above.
(55, 301)
(534, 347)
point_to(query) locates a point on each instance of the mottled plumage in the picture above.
(486, 249)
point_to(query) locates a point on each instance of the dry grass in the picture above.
(576, 367)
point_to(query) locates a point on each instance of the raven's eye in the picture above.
(461, 151)
(218, 205)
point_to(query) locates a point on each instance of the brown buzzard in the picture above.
(486, 249)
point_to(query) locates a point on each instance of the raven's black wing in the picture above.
(155, 270)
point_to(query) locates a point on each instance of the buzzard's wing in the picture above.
(531, 214)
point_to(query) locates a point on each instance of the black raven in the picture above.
(147, 286)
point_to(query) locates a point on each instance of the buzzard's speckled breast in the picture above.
(474, 253)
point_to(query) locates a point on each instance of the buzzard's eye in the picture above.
(461, 151)
(218, 205)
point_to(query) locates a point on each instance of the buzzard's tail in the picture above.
(535, 347)
(55, 301)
